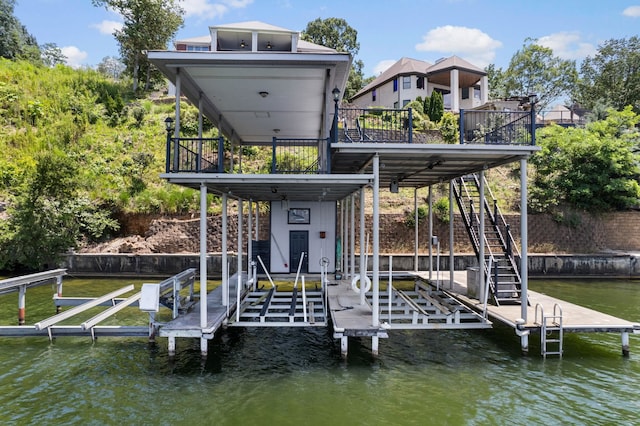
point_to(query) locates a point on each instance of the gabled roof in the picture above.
(404, 66)
(252, 26)
(454, 62)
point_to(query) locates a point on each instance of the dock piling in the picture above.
(21, 304)
(625, 343)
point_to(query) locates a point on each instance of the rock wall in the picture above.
(578, 234)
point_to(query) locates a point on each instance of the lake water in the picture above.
(296, 377)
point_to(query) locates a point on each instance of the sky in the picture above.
(481, 31)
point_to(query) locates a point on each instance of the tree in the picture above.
(612, 76)
(52, 55)
(111, 67)
(148, 25)
(595, 168)
(495, 78)
(435, 109)
(15, 40)
(534, 69)
(336, 34)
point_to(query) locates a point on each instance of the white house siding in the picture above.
(322, 218)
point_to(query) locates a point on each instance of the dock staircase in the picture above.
(499, 264)
(551, 330)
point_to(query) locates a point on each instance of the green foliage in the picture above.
(337, 34)
(449, 128)
(435, 109)
(441, 209)
(15, 40)
(595, 168)
(410, 216)
(148, 25)
(611, 77)
(535, 69)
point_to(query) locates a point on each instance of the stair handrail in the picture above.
(488, 281)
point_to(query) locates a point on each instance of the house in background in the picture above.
(462, 84)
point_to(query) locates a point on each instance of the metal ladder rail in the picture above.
(548, 325)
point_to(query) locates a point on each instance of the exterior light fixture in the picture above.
(336, 94)
(533, 98)
(243, 44)
(263, 93)
(168, 124)
(269, 45)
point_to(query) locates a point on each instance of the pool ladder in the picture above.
(551, 332)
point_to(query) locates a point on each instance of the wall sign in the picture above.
(300, 216)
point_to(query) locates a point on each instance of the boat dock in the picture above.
(338, 303)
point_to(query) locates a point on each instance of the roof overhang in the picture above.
(420, 165)
(259, 187)
(254, 96)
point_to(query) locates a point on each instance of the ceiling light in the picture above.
(269, 45)
(243, 44)
(263, 93)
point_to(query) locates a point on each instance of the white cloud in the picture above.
(75, 56)
(382, 66)
(567, 45)
(632, 12)
(205, 9)
(472, 44)
(108, 27)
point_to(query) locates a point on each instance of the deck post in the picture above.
(363, 267)
(176, 132)
(352, 238)
(430, 201)
(483, 283)
(249, 235)
(240, 239)
(343, 232)
(451, 236)
(22, 295)
(415, 229)
(375, 340)
(345, 246)
(344, 346)
(625, 343)
(203, 265)
(171, 346)
(524, 241)
(58, 292)
(376, 242)
(225, 270)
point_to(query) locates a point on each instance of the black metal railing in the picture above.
(195, 155)
(497, 127)
(299, 156)
(375, 125)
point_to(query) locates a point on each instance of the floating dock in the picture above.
(339, 304)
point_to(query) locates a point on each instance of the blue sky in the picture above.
(481, 31)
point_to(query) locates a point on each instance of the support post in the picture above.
(524, 241)
(344, 346)
(203, 266)
(415, 229)
(225, 262)
(58, 292)
(625, 343)
(240, 239)
(451, 237)
(363, 266)
(375, 340)
(171, 346)
(352, 238)
(22, 295)
(376, 242)
(430, 201)
(481, 262)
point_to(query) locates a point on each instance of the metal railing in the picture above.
(376, 125)
(297, 156)
(497, 127)
(195, 155)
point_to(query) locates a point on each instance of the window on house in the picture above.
(465, 93)
(405, 102)
(191, 48)
(373, 95)
(395, 105)
(476, 92)
(420, 83)
(395, 85)
(406, 82)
